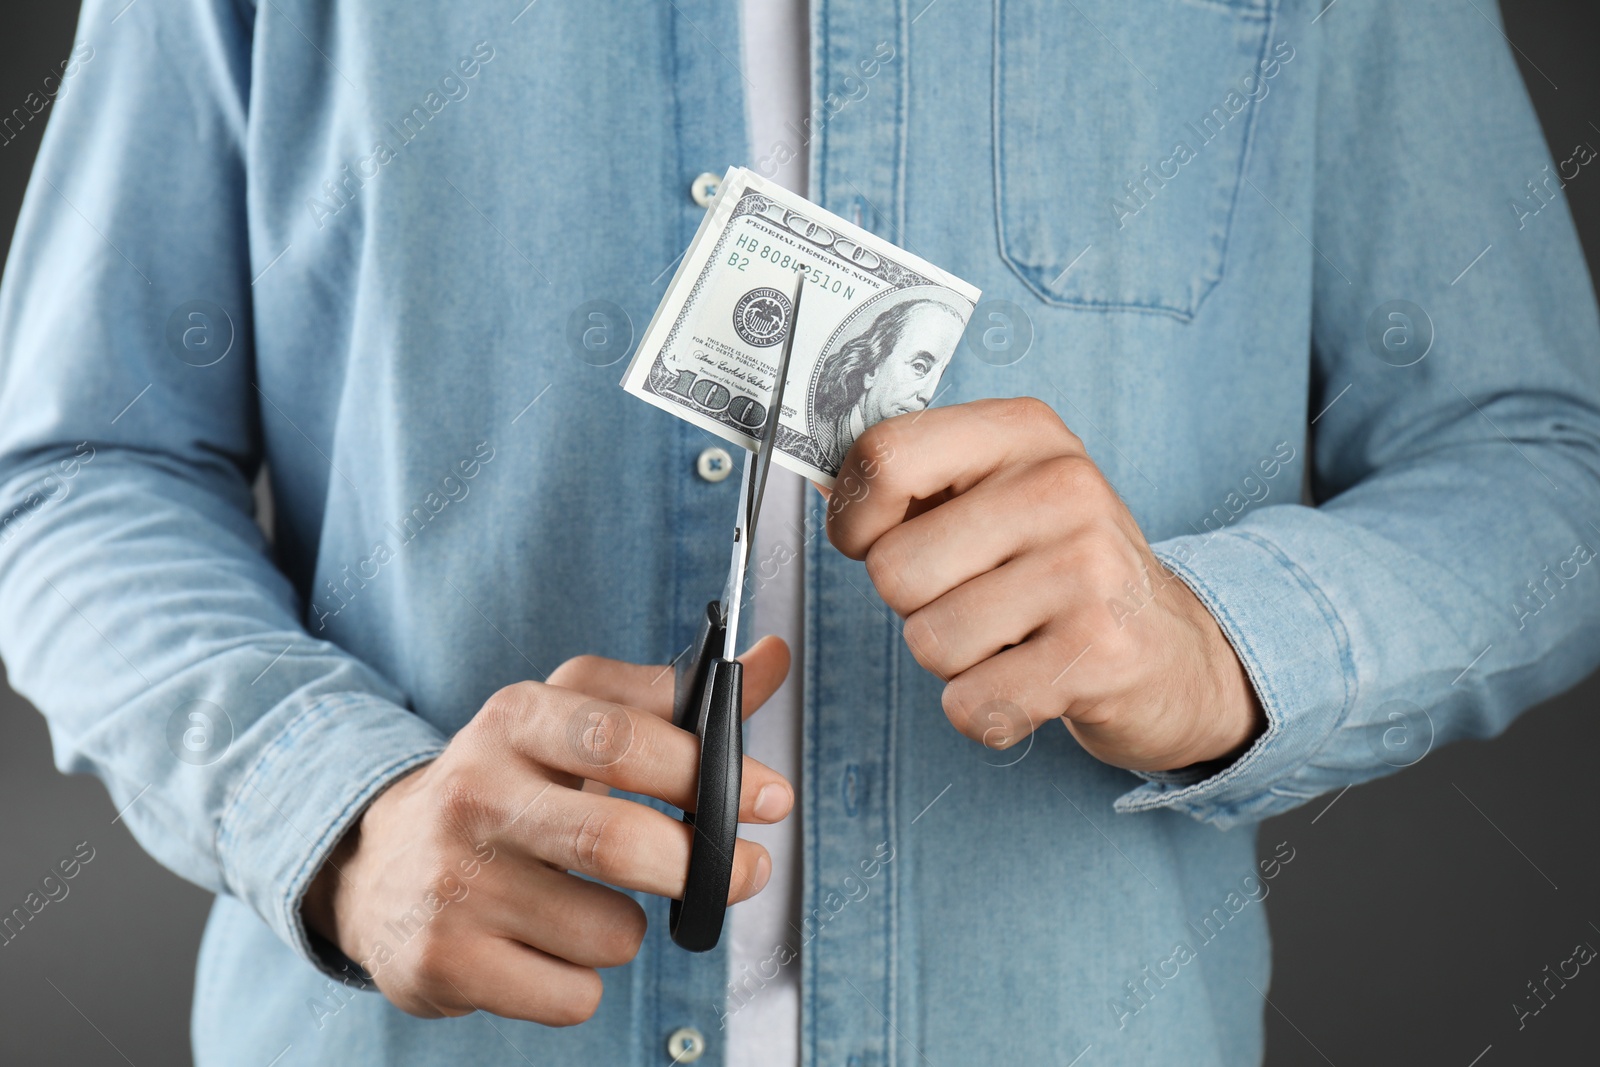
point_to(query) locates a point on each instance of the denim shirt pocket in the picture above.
(1122, 128)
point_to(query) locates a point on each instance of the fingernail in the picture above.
(763, 872)
(772, 802)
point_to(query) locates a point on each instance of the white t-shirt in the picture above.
(763, 1029)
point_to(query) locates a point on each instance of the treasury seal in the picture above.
(760, 316)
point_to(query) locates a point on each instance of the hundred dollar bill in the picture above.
(879, 326)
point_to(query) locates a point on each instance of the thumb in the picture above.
(766, 665)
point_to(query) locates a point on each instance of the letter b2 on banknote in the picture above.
(879, 327)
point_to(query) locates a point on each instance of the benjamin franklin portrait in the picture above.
(890, 368)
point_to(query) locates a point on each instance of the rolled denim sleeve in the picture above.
(139, 607)
(1446, 578)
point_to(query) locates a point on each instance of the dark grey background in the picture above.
(1404, 929)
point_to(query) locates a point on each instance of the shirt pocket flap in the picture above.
(1122, 128)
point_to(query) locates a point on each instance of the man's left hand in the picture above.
(1027, 586)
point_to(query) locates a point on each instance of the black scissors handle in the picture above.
(708, 695)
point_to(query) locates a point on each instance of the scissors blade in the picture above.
(754, 484)
(769, 433)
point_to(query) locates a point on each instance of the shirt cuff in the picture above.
(298, 798)
(1296, 654)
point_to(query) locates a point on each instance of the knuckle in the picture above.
(922, 638)
(1069, 568)
(505, 711)
(444, 886)
(1099, 556)
(1041, 418)
(844, 522)
(839, 522)
(845, 534)
(1028, 410)
(574, 672)
(507, 700)
(1071, 481)
(464, 807)
(434, 969)
(533, 720)
(879, 440)
(876, 450)
(595, 841)
(888, 564)
(850, 488)
(601, 734)
(1031, 408)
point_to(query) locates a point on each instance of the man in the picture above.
(431, 753)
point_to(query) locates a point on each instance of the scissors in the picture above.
(708, 695)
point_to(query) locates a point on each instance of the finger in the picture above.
(628, 845)
(510, 979)
(766, 665)
(917, 457)
(625, 748)
(1053, 673)
(981, 617)
(573, 919)
(1020, 508)
(646, 686)
(649, 687)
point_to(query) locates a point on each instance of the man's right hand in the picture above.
(458, 890)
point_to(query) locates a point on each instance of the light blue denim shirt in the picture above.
(1257, 251)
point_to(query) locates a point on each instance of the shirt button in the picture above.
(714, 464)
(686, 1045)
(704, 188)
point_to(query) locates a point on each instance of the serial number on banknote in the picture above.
(787, 261)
